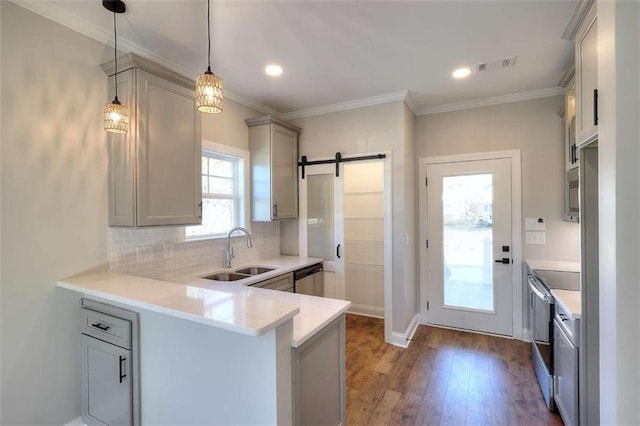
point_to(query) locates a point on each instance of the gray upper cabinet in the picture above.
(586, 43)
(154, 169)
(274, 163)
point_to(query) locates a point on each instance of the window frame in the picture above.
(240, 194)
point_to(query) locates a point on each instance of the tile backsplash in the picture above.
(155, 253)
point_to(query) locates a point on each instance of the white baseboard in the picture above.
(404, 339)
(526, 335)
(76, 422)
(367, 311)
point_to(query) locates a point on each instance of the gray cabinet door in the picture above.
(587, 79)
(319, 377)
(284, 165)
(565, 392)
(107, 397)
(169, 153)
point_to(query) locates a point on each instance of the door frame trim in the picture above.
(516, 227)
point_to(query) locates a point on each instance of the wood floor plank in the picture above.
(444, 377)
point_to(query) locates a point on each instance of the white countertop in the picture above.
(230, 306)
(570, 300)
(553, 265)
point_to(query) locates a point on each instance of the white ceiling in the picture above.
(341, 51)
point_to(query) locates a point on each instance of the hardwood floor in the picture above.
(445, 377)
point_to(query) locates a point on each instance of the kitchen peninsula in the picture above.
(222, 353)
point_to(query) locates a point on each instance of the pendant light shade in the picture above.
(209, 92)
(116, 115)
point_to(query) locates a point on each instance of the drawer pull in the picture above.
(101, 326)
(122, 376)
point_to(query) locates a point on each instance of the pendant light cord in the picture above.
(115, 51)
(209, 34)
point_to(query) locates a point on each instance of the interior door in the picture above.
(469, 251)
(321, 224)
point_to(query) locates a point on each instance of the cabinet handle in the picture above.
(275, 210)
(101, 326)
(200, 205)
(338, 251)
(122, 376)
(573, 154)
(595, 107)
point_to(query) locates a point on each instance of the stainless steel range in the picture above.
(541, 312)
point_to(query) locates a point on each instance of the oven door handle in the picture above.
(537, 292)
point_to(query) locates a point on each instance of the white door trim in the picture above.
(516, 226)
(388, 237)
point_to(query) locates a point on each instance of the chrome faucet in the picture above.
(229, 247)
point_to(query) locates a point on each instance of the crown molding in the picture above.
(568, 75)
(250, 103)
(498, 100)
(411, 103)
(66, 19)
(345, 106)
(579, 13)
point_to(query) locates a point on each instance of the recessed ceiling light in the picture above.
(273, 70)
(461, 72)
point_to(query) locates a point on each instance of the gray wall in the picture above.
(54, 208)
(535, 129)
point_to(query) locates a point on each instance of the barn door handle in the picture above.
(338, 251)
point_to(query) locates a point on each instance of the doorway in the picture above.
(345, 218)
(470, 262)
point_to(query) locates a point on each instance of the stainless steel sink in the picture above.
(226, 276)
(254, 270)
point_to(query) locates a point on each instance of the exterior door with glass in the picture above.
(470, 249)
(321, 224)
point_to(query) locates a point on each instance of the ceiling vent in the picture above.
(496, 65)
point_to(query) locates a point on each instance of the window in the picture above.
(224, 181)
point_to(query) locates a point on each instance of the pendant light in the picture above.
(116, 115)
(208, 85)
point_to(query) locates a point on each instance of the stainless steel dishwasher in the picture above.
(309, 280)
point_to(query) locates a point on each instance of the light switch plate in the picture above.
(536, 238)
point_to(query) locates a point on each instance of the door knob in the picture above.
(504, 260)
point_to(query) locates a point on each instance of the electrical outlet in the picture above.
(144, 254)
(167, 250)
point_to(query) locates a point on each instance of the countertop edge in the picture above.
(296, 343)
(249, 331)
(559, 295)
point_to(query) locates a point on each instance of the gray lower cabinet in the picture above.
(107, 385)
(565, 390)
(319, 377)
(109, 365)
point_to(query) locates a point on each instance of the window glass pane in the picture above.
(205, 184)
(219, 167)
(204, 165)
(320, 222)
(467, 203)
(220, 186)
(217, 218)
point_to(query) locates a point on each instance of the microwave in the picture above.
(572, 195)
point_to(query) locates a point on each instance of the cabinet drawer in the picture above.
(105, 327)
